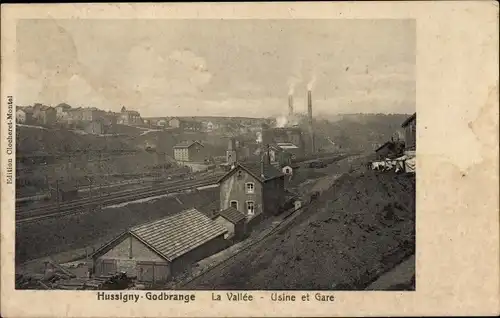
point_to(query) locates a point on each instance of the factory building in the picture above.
(284, 136)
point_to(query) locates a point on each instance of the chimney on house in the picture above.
(290, 105)
(310, 119)
(268, 155)
(262, 165)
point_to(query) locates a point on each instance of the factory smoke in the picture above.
(259, 137)
(292, 83)
(310, 117)
(290, 105)
(281, 121)
(311, 83)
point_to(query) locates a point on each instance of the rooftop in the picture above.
(186, 144)
(409, 119)
(211, 210)
(255, 169)
(386, 144)
(178, 234)
(232, 215)
(286, 145)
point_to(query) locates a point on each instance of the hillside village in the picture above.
(263, 181)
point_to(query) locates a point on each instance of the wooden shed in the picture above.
(156, 251)
(64, 192)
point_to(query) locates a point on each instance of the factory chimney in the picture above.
(290, 105)
(310, 119)
(265, 160)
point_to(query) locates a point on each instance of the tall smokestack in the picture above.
(290, 105)
(310, 118)
(262, 163)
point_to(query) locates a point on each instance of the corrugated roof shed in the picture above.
(178, 234)
(232, 215)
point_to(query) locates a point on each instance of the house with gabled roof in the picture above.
(190, 151)
(254, 189)
(24, 115)
(130, 117)
(156, 251)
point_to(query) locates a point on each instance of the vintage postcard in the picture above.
(251, 160)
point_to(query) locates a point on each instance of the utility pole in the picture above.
(90, 186)
(57, 195)
(100, 195)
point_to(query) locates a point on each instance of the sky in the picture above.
(218, 67)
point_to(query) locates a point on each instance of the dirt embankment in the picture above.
(51, 236)
(362, 226)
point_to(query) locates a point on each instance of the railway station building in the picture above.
(257, 190)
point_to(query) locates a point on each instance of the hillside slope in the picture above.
(56, 235)
(357, 132)
(52, 141)
(361, 227)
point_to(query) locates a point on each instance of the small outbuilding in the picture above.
(287, 170)
(154, 252)
(64, 192)
(234, 221)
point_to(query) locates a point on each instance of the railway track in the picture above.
(83, 205)
(24, 215)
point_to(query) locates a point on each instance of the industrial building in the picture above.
(236, 151)
(282, 135)
(289, 134)
(154, 252)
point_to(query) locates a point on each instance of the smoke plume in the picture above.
(281, 121)
(259, 137)
(311, 83)
(292, 82)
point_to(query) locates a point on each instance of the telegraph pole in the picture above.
(90, 186)
(100, 195)
(57, 195)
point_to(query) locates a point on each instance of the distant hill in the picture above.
(32, 139)
(348, 132)
(361, 132)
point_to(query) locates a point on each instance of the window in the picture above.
(250, 187)
(234, 204)
(250, 208)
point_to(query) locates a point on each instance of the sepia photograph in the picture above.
(192, 154)
(250, 159)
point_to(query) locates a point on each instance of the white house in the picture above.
(287, 170)
(24, 115)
